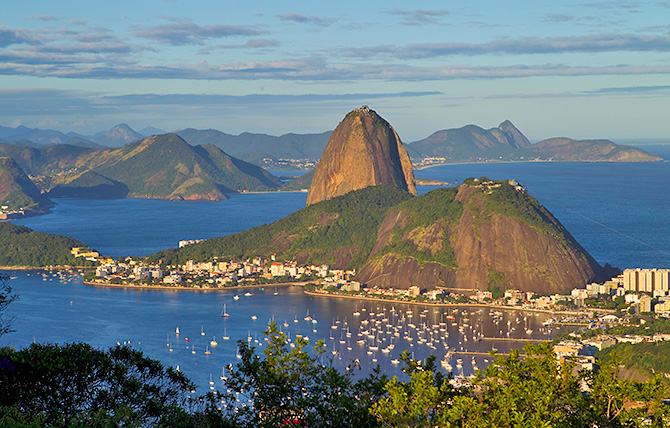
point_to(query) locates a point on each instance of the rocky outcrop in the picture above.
(364, 150)
(495, 242)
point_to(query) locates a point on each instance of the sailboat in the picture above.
(225, 334)
(202, 330)
(223, 312)
(213, 342)
(276, 292)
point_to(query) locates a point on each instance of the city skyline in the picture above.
(583, 70)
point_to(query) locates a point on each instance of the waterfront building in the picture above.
(646, 280)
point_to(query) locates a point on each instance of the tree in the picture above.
(7, 296)
(618, 402)
(417, 403)
(76, 384)
(291, 386)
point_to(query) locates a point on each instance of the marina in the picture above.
(187, 330)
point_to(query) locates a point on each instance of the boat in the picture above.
(236, 297)
(192, 349)
(276, 292)
(248, 294)
(254, 317)
(223, 312)
(187, 339)
(177, 330)
(225, 334)
(202, 330)
(207, 350)
(213, 342)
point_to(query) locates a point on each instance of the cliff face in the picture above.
(502, 239)
(364, 150)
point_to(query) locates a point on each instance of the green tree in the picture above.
(75, 384)
(618, 402)
(534, 391)
(417, 403)
(291, 385)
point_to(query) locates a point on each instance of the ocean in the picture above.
(617, 212)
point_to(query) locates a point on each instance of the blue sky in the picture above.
(592, 69)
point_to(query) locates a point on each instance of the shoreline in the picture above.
(182, 288)
(450, 305)
(418, 168)
(49, 268)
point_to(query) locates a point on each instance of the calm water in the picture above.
(618, 212)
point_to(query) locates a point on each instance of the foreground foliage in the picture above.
(294, 384)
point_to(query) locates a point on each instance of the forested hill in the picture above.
(24, 247)
(340, 231)
(183, 172)
(17, 192)
(481, 235)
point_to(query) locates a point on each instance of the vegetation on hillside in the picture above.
(424, 235)
(75, 385)
(648, 357)
(21, 246)
(16, 189)
(316, 234)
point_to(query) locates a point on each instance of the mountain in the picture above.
(506, 143)
(36, 136)
(90, 185)
(364, 150)
(162, 166)
(481, 235)
(116, 136)
(18, 192)
(21, 246)
(589, 150)
(255, 148)
(182, 172)
(150, 131)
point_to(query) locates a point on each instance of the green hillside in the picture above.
(339, 231)
(480, 235)
(21, 246)
(165, 166)
(90, 185)
(17, 191)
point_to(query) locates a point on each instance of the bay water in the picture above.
(618, 212)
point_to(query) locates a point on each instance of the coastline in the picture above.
(453, 305)
(49, 268)
(182, 288)
(419, 167)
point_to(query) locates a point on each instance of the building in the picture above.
(647, 280)
(414, 291)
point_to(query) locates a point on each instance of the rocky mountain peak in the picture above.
(364, 150)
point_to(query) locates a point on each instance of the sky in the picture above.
(580, 69)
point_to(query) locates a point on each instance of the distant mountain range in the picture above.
(162, 166)
(470, 143)
(506, 143)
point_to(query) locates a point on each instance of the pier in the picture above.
(510, 339)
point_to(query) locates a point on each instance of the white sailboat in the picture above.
(223, 312)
